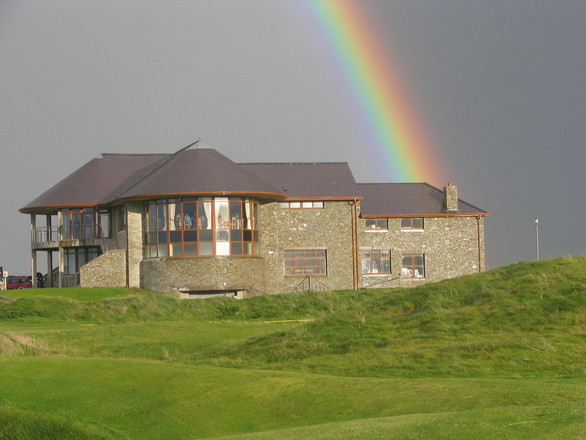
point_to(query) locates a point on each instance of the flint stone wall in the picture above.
(108, 270)
(452, 246)
(329, 228)
(190, 274)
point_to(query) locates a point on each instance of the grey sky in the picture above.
(498, 85)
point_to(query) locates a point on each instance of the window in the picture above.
(303, 205)
(85, 224)
(305, 262)
(75, 258)
(412, 223)
(377, 223)
(376, 262)
(204, 226)
(413, 266)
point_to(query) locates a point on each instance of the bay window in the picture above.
(204, 226)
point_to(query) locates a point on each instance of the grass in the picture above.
(495, 355)
(81, 294)
(153, 400)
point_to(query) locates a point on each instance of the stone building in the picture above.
(196, 222)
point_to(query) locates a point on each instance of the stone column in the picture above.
(134, 245)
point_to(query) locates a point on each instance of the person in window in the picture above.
(222, 222)
(187, 222)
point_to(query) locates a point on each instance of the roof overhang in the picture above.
(444, 214)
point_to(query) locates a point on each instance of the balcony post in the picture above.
(50, 268)
(61, 266)
(33, 251)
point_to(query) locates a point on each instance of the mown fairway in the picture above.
(497, 355)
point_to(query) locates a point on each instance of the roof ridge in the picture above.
(133, 154)
(155, 168)
(393, 183)
(293, 163)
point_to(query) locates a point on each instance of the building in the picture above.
(198, 223)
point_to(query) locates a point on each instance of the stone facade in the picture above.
(198, 223)
(134, 233)
(108, 270)
(451, 246)
(329, 228)
(204, 274)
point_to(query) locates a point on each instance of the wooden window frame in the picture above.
(411, 269)
(292, 258)
(408, 223)
(369, 255)
(197, 227)
(378, 224)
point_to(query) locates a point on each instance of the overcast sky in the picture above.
(499, 86)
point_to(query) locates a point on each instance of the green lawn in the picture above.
(496, 355)
(95, 294)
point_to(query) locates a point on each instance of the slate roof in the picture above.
(408, 200)
(97, 181)
(200, 170)
(323, 180)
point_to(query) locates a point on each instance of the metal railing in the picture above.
(311, 284)
(70, 280)
(45, 234)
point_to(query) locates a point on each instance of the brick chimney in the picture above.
(451, 197)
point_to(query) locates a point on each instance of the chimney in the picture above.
(451, 197)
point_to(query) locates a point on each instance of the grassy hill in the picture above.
(500, 354)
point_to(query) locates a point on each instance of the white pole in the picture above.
(537, 237)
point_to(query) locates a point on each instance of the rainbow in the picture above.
(376, 87)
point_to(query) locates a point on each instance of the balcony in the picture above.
(44, 235)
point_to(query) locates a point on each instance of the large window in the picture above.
(377, 224)
(413, 266)
(85, 223)
(204, 226)
(412, 223)
(75, 258)
(305, 262)
(376, 262)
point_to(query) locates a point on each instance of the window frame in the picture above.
(84, 223)
(378, 224)
(77, 257)
(410, 226)
(410, 268)
(375, 260)
(302, 204)
(201, 227)
(292, 256)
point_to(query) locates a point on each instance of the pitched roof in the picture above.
(200, 171)
(96, 181)
(197, 170)
(323, 180)
(408, 199)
